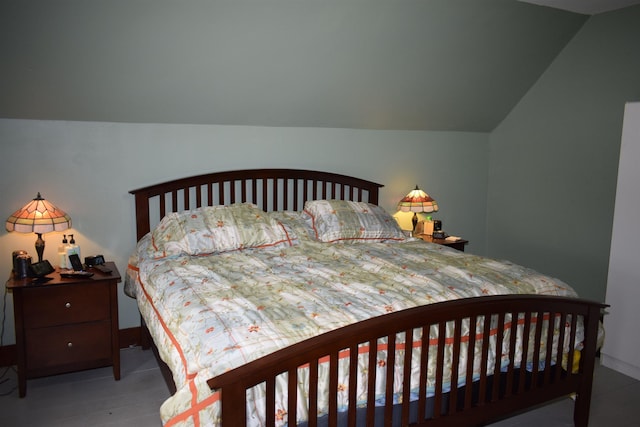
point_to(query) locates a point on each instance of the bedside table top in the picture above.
(428, 238)
(55, 279)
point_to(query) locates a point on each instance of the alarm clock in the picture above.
(94, 260)
(439, 235)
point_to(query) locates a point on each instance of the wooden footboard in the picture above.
(552, 371)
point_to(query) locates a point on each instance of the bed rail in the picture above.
(272, 189)
(489, 398)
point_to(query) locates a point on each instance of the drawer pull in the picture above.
(68, 305)
(69, 344)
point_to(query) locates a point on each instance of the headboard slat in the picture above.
(186, 197)
(296, 189)
(163, 206)
(280, 189)
(285, 194)
(220, 193)
(174, 200)
(209, 193)
(232, 192)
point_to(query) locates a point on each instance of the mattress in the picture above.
(211, 312)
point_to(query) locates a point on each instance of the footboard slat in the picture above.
(572, 338)
(387, 343)
(406, 373)
(512, 354)
(468, 396)
(548, 358)
(437, 402)
(563, 320)
(333, 389)
(424, 356)
(353, 382)
(455, 355)
(522, 379)
(371, 380)
(389, 367)
(292, 401)
(271, 400)
(313, 392)
(495, 392)
(536, 354)
(486, 334)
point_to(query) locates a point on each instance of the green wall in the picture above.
(538, 190)
(87, 169)
(554, 159)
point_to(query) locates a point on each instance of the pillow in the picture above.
(345, 221)
(216, 229)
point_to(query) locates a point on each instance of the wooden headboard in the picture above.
(272, 189)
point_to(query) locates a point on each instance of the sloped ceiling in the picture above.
(587, 7)
(372, 64)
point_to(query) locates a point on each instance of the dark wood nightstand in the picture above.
(459, 244)
(65, 325)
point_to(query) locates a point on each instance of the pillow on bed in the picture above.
(345, 221)
(215, 229)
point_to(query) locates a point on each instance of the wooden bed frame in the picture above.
(490, 397)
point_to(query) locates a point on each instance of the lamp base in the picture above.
(39, 246)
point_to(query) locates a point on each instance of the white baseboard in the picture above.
(620, 366)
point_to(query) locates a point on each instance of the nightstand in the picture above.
(459, 244)
(65, 325)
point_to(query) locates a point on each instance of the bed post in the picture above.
(583, 397)
(142, 214)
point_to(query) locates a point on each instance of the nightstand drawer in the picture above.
(64, 348)
(60, 305)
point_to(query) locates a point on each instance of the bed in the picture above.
(288, 297)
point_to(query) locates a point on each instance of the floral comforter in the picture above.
(209, 314)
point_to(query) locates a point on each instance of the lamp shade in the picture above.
(38, 216)
(417, 201)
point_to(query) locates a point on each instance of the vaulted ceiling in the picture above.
(587, 7)
(372, 64)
